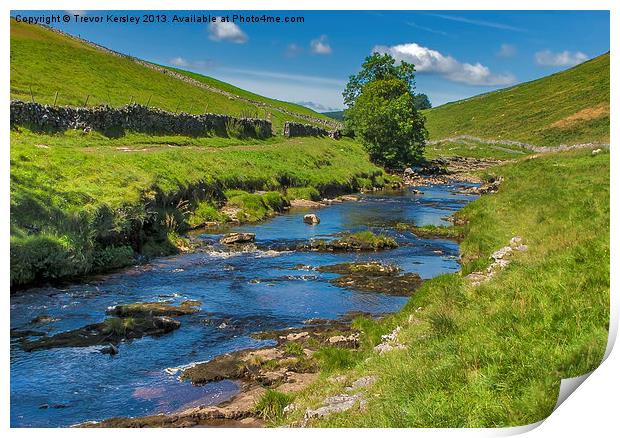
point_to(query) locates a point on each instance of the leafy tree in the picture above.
(377, 67)
(385, 119)
(421, 101)
(382, 111)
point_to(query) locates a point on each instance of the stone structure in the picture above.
(293, 129)
(136, 118)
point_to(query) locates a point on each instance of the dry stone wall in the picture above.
(136, 118)
(292, 129)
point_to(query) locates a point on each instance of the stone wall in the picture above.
(136, 118)
(292, 129)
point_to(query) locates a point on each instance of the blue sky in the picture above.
(457, 53)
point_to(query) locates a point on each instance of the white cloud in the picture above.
(320, 46)
(507, 51)
(226, 31)
(561, 59)
(318, 107)
(431, 61)
(186, 63)
(293, 50)
(483, 23)
(179, 62)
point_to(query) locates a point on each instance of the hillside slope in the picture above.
(45, 62)
(569, 107)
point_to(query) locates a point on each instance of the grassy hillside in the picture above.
(84, 203)
(336, 115)
(569, 107)
(494, 355)
(47, 62)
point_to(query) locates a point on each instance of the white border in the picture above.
(592, 409)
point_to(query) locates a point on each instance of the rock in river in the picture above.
(157, 308)
(312, 219)
(233, 238)
(110, 331)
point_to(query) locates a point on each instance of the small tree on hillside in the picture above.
(382, 111)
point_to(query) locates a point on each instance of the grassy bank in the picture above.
(44, 63)
(83, 203)
(568, 107)
(494, 355)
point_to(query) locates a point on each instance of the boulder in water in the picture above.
(234, 238)
(312, 219)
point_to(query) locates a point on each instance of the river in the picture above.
(241, 293)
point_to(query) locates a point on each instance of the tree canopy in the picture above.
(378, 67)
(382, 111)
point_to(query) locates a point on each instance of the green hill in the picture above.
(569, 107)
(336, 115)
(45, 62)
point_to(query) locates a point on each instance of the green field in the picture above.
(82, 203)
(493, 355)
(569, 107)
(39, 64)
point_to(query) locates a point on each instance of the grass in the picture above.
(81, 203)
(271, 405)
(473, 149)
(254, 207)
(567, 107)
(494, 355)
(40, 64)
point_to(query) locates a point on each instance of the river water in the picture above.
(241, 293)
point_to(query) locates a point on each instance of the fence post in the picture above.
(149, 101)
(56, 98)
(86, 101)
(176, 110)
(31, 93)
(131, 100)
(206, 106)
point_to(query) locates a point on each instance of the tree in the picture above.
(385, 119)
(422, 102)
(378, 67)
(382, 111)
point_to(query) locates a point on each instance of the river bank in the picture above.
(85, 203)
(299, 355)
(272, 284)
(473, 338)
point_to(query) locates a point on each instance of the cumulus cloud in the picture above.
(507, 51)
(225, 31)
(186, 63)
(320, 46)
(431, 61)
(561, 59)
